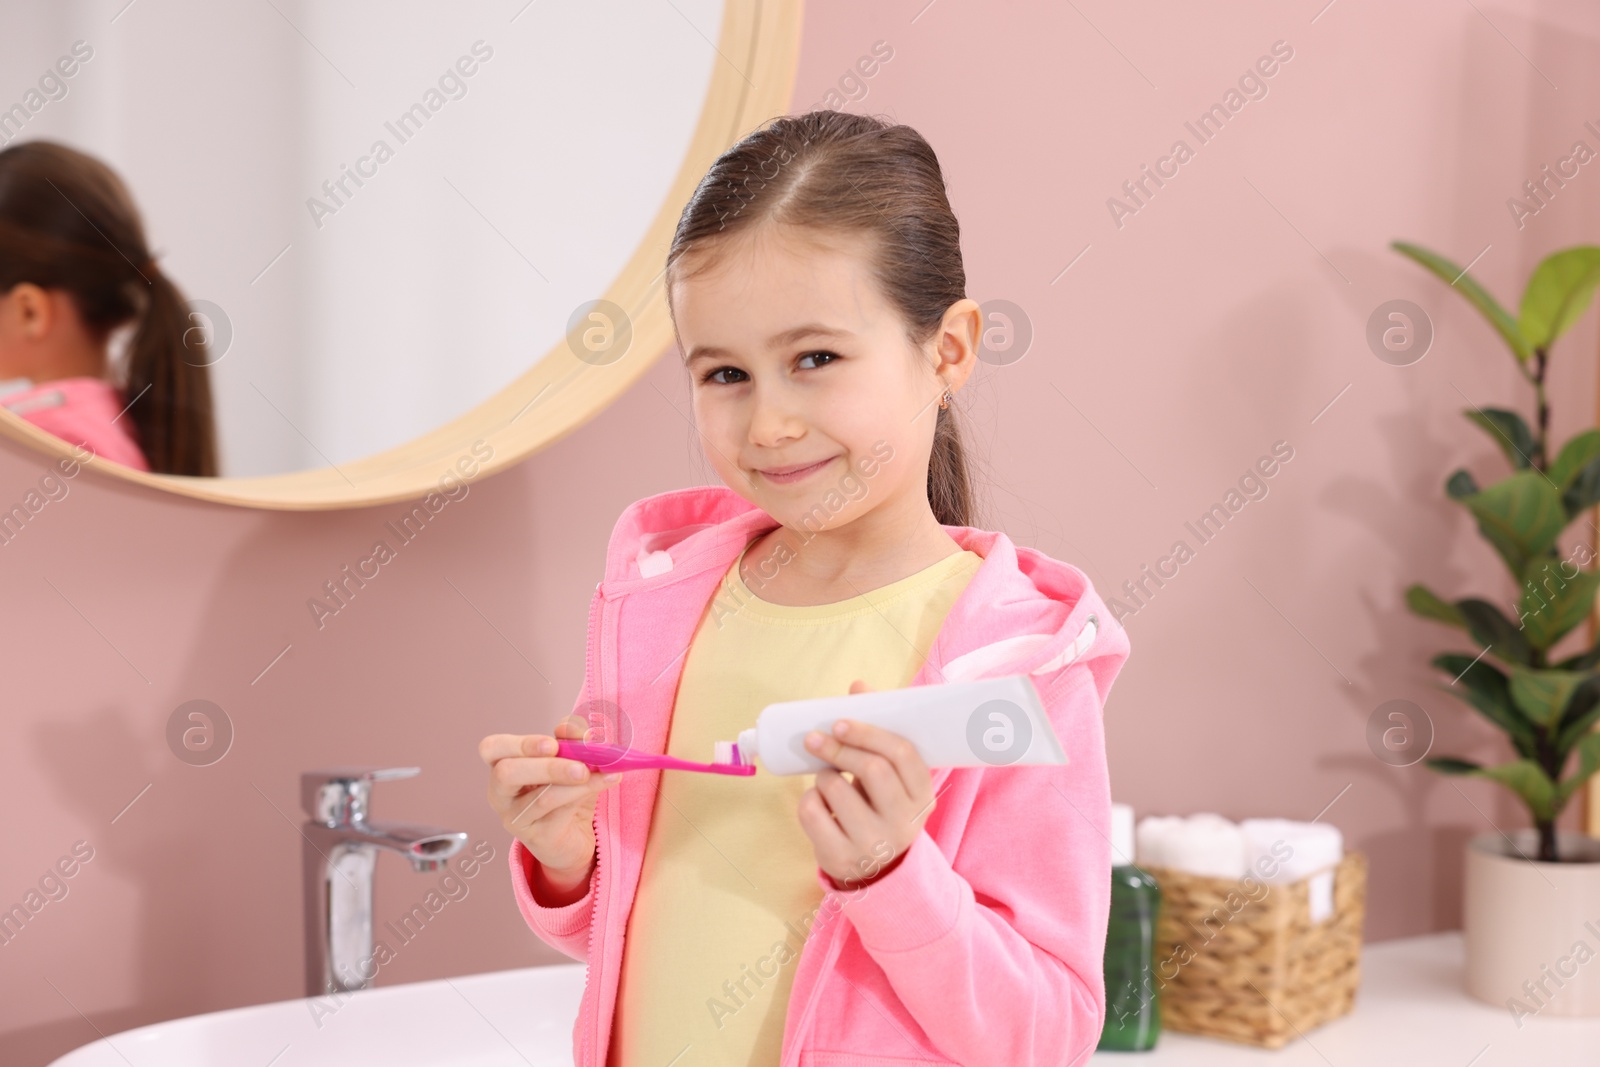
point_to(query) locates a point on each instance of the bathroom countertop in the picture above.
(1411, 1010)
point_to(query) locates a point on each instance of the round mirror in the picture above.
(412, 242)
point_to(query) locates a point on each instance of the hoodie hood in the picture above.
(1022, 611)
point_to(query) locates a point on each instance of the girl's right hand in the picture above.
(542, 803)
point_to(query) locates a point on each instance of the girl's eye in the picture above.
(831, 356)
(711, 375)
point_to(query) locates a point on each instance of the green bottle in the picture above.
(1133, 1008)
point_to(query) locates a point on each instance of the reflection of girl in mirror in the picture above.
(74, 267)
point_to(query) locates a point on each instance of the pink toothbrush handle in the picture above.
(607, 758)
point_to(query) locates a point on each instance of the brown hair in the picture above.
(68, 222)
(834, 170)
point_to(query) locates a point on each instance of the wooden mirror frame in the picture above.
(762, 37)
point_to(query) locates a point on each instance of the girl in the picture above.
(898, 915)
(74, 266)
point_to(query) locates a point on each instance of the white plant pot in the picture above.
(1532, 929)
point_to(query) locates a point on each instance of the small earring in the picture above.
(944, 401)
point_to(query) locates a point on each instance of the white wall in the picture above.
(455, 266)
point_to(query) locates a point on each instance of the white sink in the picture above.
(520, 1018)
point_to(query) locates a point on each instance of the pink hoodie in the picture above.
(83, 411)
(986, 944)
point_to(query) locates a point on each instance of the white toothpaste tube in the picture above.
(995, 722)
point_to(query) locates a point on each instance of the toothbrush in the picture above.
(607, 758)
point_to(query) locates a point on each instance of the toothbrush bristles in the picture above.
(726, 752)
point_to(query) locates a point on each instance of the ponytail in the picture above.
(68, 222)
(949, 479)
(168, 388)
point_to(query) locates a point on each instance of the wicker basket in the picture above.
(1256, 971)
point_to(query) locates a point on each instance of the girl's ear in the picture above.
(30, 309)
(958, 342)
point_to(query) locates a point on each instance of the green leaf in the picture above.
(1486, 689)
(1554, 601)
(1451, 765)
(1460, 485)
(1508, 431)
(1528, 780)
(1583, 491)
(1580, 450)
(1521, 516)
(1583, 711)
(1588, 763)
(1523, 777)
(1543, 694)
(1490, 628)
(1476, 294)
(1423, 601)
(1558, 294)
(1582, 661)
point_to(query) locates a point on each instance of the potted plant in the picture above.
(1532, 897)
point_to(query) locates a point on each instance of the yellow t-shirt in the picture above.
(728, 890)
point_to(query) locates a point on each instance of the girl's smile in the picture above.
(790, 475)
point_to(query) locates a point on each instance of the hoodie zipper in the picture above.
(591, 972)
(830, 952)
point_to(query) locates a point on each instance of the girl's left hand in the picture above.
(861, 830)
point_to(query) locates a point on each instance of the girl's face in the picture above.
(810, 401)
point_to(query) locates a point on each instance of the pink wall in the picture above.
(1222, 317)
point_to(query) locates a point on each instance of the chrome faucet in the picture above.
(340, 850)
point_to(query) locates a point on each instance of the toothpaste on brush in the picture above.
(994, 722)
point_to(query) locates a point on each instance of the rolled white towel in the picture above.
(1122, 837)
(1151, 839)
(1281, 852)
(1205, 844)
(1208, 845)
